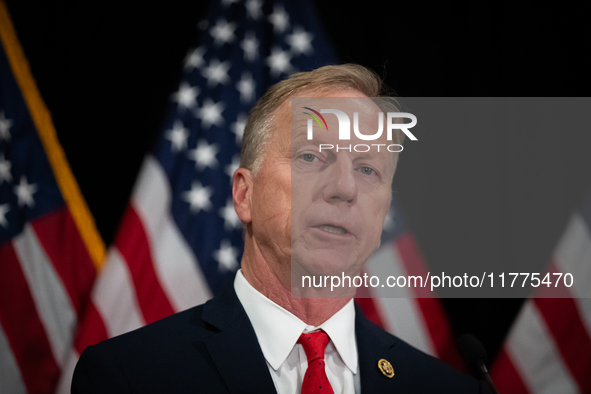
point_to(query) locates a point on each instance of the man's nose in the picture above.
(341, 183)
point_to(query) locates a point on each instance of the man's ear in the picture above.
(242, 193)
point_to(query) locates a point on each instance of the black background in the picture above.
(106, 70)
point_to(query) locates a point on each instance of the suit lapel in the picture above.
(374, 344)
(237, 355)
(235, 349)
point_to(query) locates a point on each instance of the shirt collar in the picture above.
(278, 330)
(340, 327)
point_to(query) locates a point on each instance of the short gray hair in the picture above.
(322, 80)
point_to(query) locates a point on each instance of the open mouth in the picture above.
(333, 229)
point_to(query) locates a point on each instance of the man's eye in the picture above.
(308, 157)
(367, 170)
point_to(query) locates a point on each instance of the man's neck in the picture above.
(312, 311)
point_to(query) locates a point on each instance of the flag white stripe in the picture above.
(402, 314)
(573, 255)
(10, 375)
(535, 356)
(175, 263)
(114, 297)
(67, 372)
(51, 299)
(406, 323)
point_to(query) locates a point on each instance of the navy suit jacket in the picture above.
(212, 348)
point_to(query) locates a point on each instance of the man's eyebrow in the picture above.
(373, 155)
(377, 162)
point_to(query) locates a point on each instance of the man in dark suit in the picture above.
(304, 210)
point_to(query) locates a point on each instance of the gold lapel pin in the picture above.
(386, 368)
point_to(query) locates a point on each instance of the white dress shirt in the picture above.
(278, 330)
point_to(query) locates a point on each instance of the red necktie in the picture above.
(315, 380)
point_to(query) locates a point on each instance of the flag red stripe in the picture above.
(91, 329)
(370, 311)
(440, 331)
(572, 340)
(507, 379)
(23, 328)
(413, 261)
(368, 306)
(134, 246)
(62, 243)
(432, 310)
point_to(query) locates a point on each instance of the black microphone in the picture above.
(475, 355)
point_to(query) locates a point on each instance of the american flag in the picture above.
(49, 247)
(548, 349)
(415, 316)
(180, 240)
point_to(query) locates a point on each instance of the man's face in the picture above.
(321, 211)
(339, 198)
